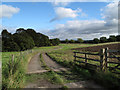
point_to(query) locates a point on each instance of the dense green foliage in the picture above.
(55, 41)
(25, 39)
(112, 38)
(96, 40)
(79, 40)
(103, 39)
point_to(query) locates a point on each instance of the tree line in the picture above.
(25, 39)
(112, 38)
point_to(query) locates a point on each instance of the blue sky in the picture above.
(33, 15)
(37, 15)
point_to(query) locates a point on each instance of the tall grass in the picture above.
(13, 72)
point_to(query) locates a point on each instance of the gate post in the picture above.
(85, 59)
(106, 58)
(75, 56)
(102, 59)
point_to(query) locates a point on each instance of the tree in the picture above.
(55, 41)
(23, 40)
(6, 35)
(43, 40)
(36, 37)
(103, 39)
(39, 39)
(66, 41)
(72, 41)
(96, 40)
(118, 38)
(20, 30)
(7, 40)
(11, 46)
(112, 38)
(79, 40)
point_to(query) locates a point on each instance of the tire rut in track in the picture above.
(52, 64)
(34, 65)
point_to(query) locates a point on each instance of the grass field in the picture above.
(61, 53)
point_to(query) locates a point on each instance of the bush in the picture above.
(96, 40)
(10, 46)
(112, 38)
(79, 40)
(72, 41)
(103, 39)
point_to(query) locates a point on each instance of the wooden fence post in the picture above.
(106, 57)
(75, 55)
(11, 64)
(20, 53)
(102, 58)
(12, 59)
(85, 59)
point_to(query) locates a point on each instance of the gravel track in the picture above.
(34, 65)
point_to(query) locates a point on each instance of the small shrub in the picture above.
(64, 88)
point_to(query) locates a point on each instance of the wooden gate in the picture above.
(105, 62)
(111, 55)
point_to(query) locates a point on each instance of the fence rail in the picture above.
(104, 62)
(88, 53)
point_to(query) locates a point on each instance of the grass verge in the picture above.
(42, 63)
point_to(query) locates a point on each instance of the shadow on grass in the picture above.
(71, 76)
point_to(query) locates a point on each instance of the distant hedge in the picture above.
(112, 38)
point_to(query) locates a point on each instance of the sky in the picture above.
(64, 20)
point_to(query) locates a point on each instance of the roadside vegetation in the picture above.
(13, 72)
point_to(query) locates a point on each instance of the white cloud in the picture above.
(62, 12)
(58, 3)
(110, 11)
(89, 29)
(8, 11)
(86, 29)
(9, 29)
(66, 12)
(0, 28)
